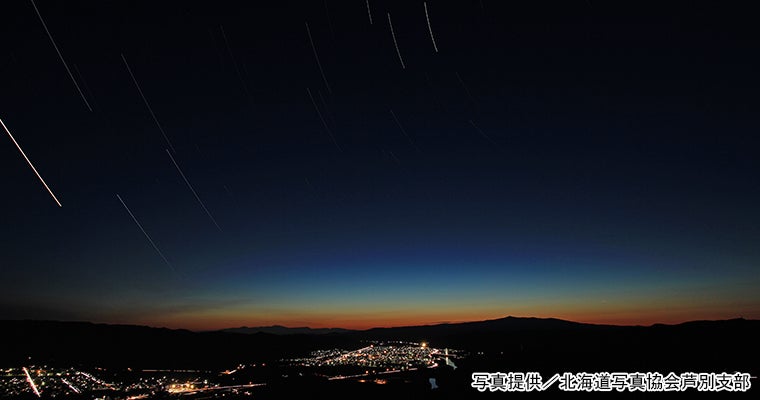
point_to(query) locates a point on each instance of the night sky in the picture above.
(575, 159)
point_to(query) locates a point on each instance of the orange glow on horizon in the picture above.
(607, 317)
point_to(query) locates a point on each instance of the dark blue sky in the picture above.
(579, 160)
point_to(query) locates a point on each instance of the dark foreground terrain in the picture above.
(546, 346)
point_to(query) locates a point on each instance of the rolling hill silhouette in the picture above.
(506, 343)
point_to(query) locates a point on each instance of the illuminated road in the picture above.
(72, 387)
(213, 388)
(31, 382)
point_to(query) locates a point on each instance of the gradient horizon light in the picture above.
(590, 162)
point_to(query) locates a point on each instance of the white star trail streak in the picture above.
(369, 13)
(139, 225)
(30, 163)
(395, 43)
(482, 133)
(404, 130)
(321, 118)
(467, 90)
(430, 29)
(57, 50)
(234, 62)
(326, 107)
(193, 190)
(319, 64)
(145, 100)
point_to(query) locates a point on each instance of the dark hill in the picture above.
(508, 343)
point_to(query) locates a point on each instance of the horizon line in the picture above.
(371, 328)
